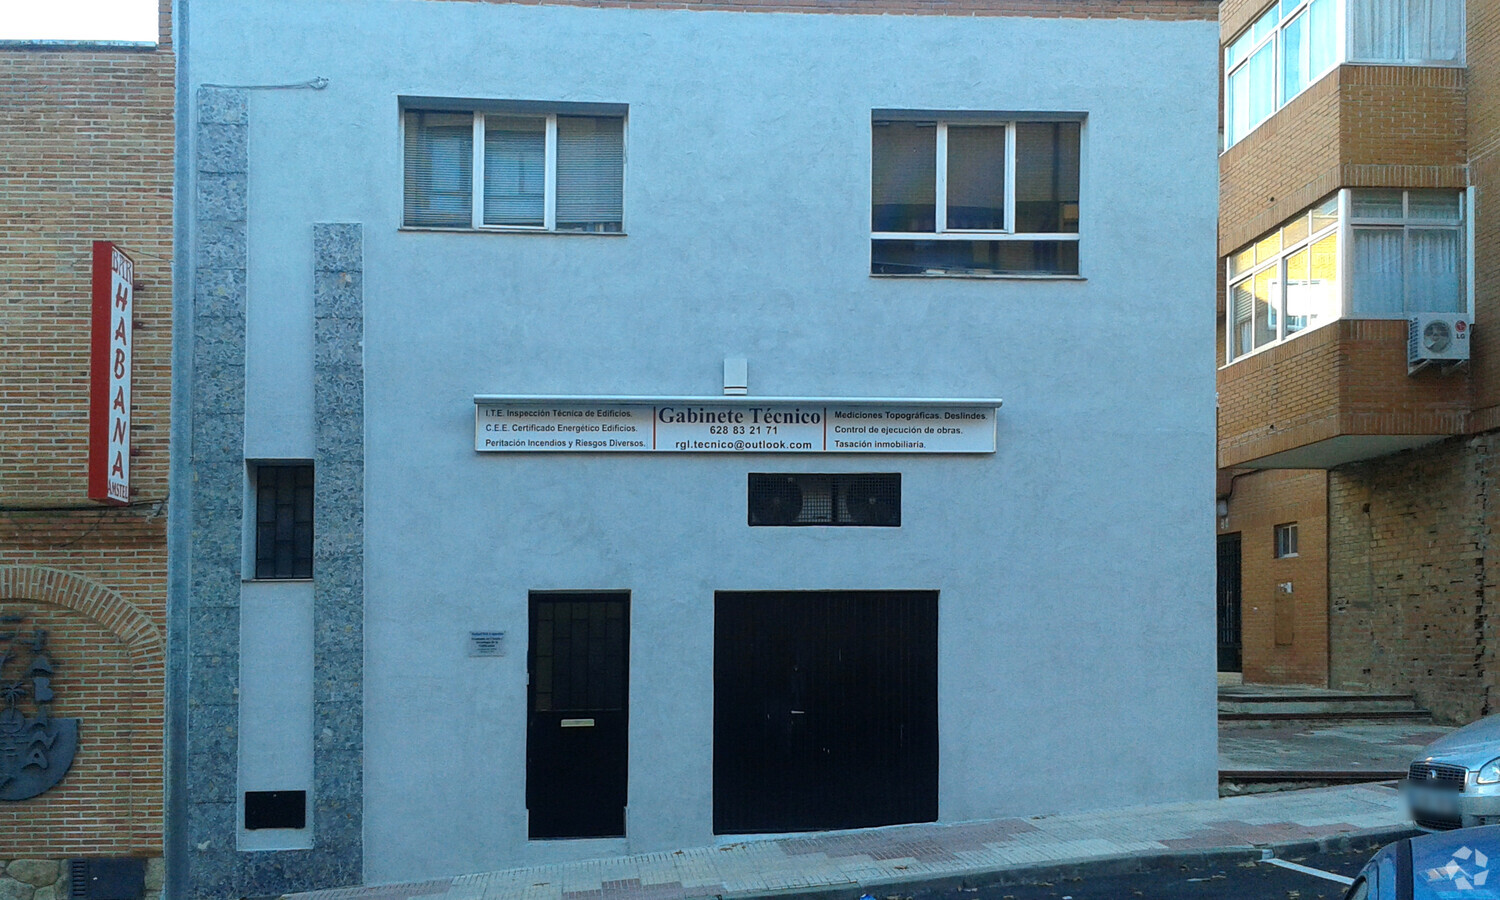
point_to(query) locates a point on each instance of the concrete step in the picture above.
(1356, 715)
(1324, 703)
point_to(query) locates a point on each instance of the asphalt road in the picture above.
(1236, 881)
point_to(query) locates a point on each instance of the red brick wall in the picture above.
(1258, 502)
(1358, 126)
(88, 135)
(1409, 568)
(1348, 377)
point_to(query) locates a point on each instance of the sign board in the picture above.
(486, 643)
(109, 374)
(577, 425)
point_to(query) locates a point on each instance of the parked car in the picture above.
(1453, 864)
(1455, 783)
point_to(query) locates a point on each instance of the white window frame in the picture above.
(1464, 224)
(1284, 541)
(1278, 265)
(1284, 21)
(549, 201)
(940, 219)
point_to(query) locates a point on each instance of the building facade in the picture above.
(1354, 212)
(596, 428)
(85, 341)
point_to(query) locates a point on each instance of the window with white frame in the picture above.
(518, 170)
(1408, 252)
(1286, 540)
(1296, 42)
(1285, 282)
(974, 197)
(1369, 253)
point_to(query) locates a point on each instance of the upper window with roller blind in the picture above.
(966, 195)
(516, 167)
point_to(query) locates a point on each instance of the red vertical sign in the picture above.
(109, 375)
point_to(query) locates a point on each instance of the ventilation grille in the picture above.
(869, 499)
(106, 879)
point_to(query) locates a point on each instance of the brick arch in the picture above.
(142, 639)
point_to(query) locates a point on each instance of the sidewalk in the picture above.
(916, 856)
(1353, 751)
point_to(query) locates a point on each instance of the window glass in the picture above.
(1265, 24)
(1298, 279)
(1325, 213)
(439, 169)
(1407, 31)
(1288, 7)
(590, 173)
(1377, 276)
(1266, 286)
(1294, 58)
(1376, 205)
(1323, 39)
(976, 177)
(1046, 177)
(1262, 83)
(515, 170)
(903, 177)
(1294, 231)
(1320, 301)
(1242, 304)
(1432, 206)
(1433, 270)
(1238, 115)
(1267, 247)
(284, 521)
(1242, 261)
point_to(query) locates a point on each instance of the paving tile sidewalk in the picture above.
(918, 853)
(1381, 748)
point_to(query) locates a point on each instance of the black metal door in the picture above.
(578, 662)
(1229, 603)
(825, 710)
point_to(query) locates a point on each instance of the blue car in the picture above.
(1463, 864)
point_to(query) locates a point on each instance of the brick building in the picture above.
(88, 131)
(1360, 140)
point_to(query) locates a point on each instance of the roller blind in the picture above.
(439, 169)
(515, 170)
(590, 173)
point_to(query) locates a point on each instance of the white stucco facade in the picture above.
(1074, 565)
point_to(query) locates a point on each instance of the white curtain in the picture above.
(1376, 278)
(1407, 30)
(1434, 281)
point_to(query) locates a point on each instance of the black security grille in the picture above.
(283, 521)
(1437, 775)
(869, 499)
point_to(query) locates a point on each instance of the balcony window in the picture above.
(1296, 42)
(1391, 253)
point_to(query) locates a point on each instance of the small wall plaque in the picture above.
(486, 643)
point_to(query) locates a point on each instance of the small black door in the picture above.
(825, 710)
(578, 662)
(1229, 603)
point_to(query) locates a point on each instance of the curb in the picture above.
(1094, 866)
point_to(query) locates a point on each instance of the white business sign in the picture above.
(667, 426)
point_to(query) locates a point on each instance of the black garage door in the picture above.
(825, 710)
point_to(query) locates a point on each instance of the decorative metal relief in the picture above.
(36, 750)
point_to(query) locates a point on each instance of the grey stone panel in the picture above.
(221, 244)
(340, 295)
(223, 106)
(338, 552)
(220, 247)
(222, 148)
(222, 196)
(338, 247)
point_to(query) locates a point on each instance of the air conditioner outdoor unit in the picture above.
(1437, 338)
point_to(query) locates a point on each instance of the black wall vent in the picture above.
(781, 498)
(107, 879)
(275, 809)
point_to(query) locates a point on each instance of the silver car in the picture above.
(1455, 783)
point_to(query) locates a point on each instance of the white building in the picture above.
(445, 253)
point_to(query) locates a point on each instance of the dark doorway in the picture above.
(1229, 603)
(578, 663)
(825, 710)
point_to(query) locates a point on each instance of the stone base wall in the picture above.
(47, 879)
(1411, 576)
